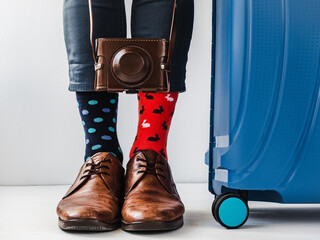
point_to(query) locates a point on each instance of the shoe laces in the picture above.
(150, 168)
(95, 168)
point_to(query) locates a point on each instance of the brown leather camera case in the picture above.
(131, 65)
(140, 65)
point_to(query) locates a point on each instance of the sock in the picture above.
(98, 111)
(155, 114)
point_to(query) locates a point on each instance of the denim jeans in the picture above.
(149, 19)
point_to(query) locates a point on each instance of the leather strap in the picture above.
(172, 37)
(91, 30)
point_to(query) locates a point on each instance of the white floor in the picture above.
(29, 213)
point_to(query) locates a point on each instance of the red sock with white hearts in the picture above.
(155, 115)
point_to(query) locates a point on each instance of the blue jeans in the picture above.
(149, 19)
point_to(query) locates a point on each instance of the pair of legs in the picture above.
(98, 110)
(94, 201)
(149, 19)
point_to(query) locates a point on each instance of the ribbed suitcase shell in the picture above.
(265, 121)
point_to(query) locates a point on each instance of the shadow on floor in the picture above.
(259, 217)
(291, 214)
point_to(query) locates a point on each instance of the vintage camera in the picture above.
(132, 65)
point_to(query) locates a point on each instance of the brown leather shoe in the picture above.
(94, 200)
(151, 201)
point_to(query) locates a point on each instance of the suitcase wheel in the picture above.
(230, 210)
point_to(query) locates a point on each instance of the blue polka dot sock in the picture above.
(98, 111)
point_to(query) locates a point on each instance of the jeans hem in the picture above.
(81, 88)
(177, 88)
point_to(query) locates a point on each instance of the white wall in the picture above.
(41, 137)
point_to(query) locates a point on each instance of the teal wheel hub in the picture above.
(230, 210)
(233, 212)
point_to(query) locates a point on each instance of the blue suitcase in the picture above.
(265, 118)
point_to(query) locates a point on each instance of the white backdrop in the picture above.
(41, 136)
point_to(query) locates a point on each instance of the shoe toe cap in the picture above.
(68, 211)
(154, 210)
